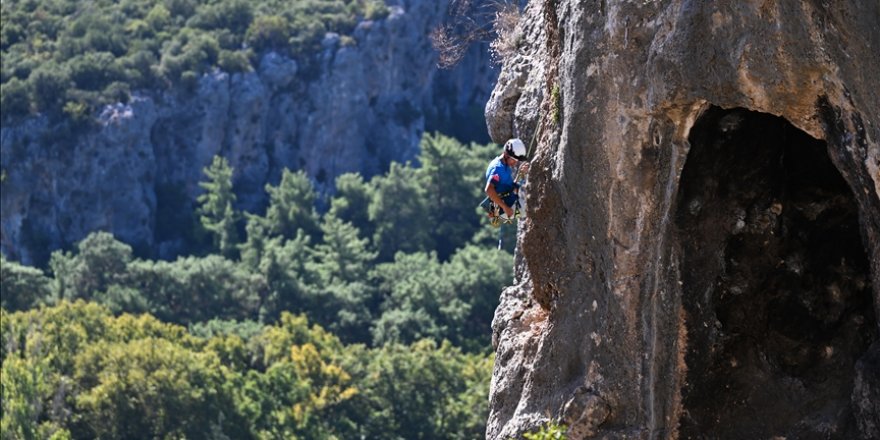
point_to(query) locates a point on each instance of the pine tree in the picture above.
(453, 177)
(352, 202)
(344, 257)
(399, 211)
(216, 213)
(292, 206)
(343, 299)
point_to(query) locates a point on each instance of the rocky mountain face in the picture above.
(365, 102)
(701, 252)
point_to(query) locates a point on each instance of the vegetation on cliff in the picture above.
(71, 56)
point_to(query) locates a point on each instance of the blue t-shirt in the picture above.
(500, 175)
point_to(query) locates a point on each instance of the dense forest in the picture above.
(367, 320)
(75, 370)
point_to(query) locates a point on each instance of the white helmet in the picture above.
(516, 149)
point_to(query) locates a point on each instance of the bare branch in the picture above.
(467, 24)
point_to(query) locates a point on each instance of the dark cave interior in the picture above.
(775, 282)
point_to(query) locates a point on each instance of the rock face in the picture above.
(701, 252)
(365, 102)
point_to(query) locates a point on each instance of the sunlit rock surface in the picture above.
(701, 252)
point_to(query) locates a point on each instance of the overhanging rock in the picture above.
(702, 244)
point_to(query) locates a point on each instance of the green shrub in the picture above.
(22, 287)
(117, 92)
(77, 111)
(235, 15)
(191, 52)
(48, 85)
(18, 66)
(139, 29)
(159, 17)
(347, 41)
(102, 36)
(228, 40)
(268, 32)
(376, 10)
(101, 261)
(234, 61)
(121, 299)
(94, 70)
(194, 289)
(181, 8)
(189, 80)
(139, 68)
(549, 431)
(10, 34)
(14, 99)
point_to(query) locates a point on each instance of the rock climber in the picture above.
(502, 189)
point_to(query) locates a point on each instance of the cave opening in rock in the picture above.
(775, 282)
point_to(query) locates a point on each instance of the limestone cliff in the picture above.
(701, 252)
(364, 102)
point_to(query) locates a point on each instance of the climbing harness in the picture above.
(497, 217)
(496, 214)
(493, 211)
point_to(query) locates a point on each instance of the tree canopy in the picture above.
(305, 327)
(84, 373)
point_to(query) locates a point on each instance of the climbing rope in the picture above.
(495, 218)
(531, 146)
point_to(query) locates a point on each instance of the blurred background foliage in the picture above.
(370, 319)
(76, 370)
(365, 314)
